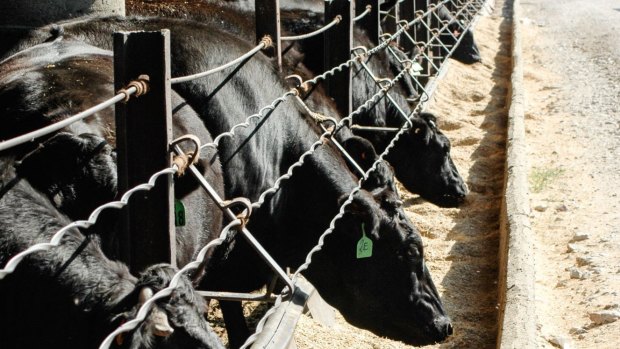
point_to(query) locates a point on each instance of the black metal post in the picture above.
(391, 20)
(422, 35)
(143, 135)
(370, 23)
(407, 13)
(338, 44)
(437, 51)
(268, 23)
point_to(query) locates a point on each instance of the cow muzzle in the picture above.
(157, 322)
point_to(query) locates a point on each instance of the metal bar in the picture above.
(249, 54)
(407, 12)
(391, 19)
(344, 153)
(268, 23)
(421, 34)
(144, 126)
(246, 233)
(435, 51)
(337, 49)
(387, 93)
(234, 296)
(370, 22)
(374, 128)
(334, 21)
(31, 136)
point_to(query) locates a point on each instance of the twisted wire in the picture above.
(348, 119)
(174, 283)
(319, 246)
(92, 219)
(230, 134)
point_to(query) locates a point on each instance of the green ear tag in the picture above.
(179, 213)
(364, 246)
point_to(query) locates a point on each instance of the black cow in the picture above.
(83, 293)
(288, 225)
(466, 51)
(421, 159)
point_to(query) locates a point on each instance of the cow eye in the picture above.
(413, 253)
(391, 203)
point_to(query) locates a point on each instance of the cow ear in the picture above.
(422, 129)
(363, 211)
(455, 28)
(361, 150)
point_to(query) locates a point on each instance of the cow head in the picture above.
(422, 162)
(364, 154)
(174, 322)
(72, 171)
(467, 51)
(385, 288)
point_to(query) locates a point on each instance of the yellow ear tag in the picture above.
(364, 246)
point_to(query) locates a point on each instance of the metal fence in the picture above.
(416, 26)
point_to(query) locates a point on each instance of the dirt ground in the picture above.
(571, 51)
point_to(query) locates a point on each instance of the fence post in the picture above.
(407, 13)
(421, 34)
(268, 23)
(370, 23)
(391, 20)
(437, 50)
(338, 44)
(143, 135)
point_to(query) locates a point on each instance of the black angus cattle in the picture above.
(466, 51)
(421, 158)
(73, 295)
(289, 224)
